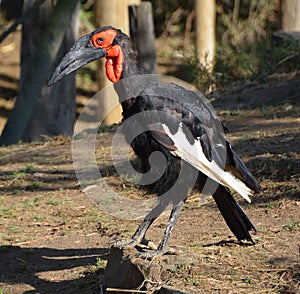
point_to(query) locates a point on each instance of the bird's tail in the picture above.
(236, 219)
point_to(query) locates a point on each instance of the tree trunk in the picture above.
(115, 13)
(142, 33)
(291, 15)
(54, 112)
(38, 70)
(205, 24)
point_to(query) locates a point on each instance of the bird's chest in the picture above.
(135, 129)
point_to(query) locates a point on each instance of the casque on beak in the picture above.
(81, 53)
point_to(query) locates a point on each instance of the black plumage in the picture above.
(177, 110)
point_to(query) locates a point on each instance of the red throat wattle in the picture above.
(114, 56)
(114, 63)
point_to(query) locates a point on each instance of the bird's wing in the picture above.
(235, 165)
(163, 139)
(179, 146)
(191, 130)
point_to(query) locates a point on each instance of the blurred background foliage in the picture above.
(243, 36)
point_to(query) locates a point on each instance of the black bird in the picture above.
(187, 135)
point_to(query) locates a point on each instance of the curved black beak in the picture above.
(81, 53)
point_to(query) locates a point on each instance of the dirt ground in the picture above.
(54, 240)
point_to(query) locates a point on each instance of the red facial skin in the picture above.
(114, 56)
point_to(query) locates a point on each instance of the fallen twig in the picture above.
(32, 241)
(291, 56)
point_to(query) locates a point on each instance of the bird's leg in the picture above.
(163, 246)
(137, 236)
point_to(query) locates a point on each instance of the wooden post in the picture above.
(134, 2)
(290, 15)
(142, 33)
(205, 27)
(115, 13)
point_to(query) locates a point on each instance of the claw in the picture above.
(124, 244)
(151, 254)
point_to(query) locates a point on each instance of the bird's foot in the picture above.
(125, 244)
(151, 254)
(130, 243)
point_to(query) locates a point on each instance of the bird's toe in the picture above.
(150, 254)
(124, 244)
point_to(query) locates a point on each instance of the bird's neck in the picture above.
(130, 63)
(122, 64)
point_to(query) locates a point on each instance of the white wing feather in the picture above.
(194, 155)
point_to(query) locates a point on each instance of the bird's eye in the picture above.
(100, 40)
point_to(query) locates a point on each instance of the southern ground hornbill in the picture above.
(184, 137)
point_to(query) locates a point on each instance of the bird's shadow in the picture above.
(231, 242)
(30, 266)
